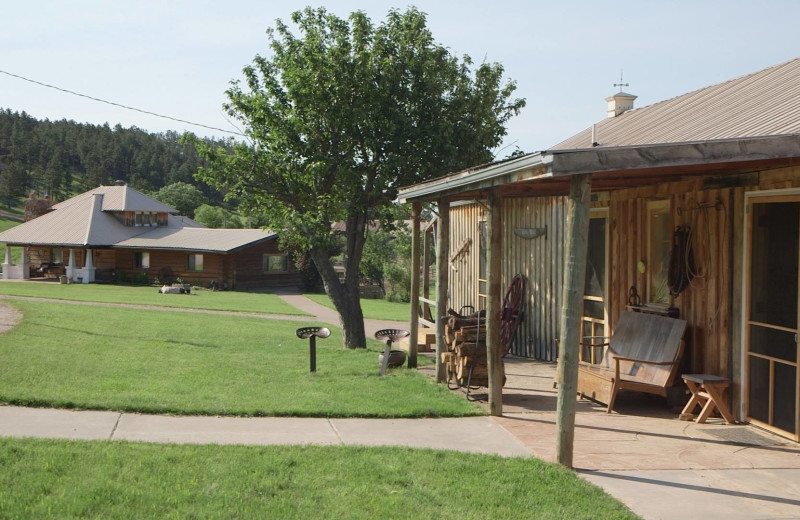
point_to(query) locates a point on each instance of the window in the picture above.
(57, 256)
(659, 234)
(143, 260)
(275, 263)
(146, 218)
(194, 263)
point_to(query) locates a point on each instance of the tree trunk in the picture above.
(344, 295)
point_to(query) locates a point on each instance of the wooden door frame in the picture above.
(603, 213)
(766, 196)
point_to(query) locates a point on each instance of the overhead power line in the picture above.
(120, 105)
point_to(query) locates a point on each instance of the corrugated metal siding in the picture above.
(759, 104)
(464, 225)
(541, 260)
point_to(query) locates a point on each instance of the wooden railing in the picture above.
(427, 303)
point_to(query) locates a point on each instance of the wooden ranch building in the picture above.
(715, 171)
(116, 233)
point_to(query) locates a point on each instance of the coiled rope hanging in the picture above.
(681, 261)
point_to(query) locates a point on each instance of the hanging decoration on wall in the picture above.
(681, 261)
(530, 233)
(461, 253)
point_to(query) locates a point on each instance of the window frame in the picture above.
(193, 265)
(653, 207)
(266, 263)
(141, 259)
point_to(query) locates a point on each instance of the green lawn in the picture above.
(199, 299)
(76, 479)
(373, 309)
(76, 356)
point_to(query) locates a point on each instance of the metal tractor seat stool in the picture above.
(312, 333)
(390, 335)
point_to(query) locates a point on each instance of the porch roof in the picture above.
(548, 172)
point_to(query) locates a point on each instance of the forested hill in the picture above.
(62, 158)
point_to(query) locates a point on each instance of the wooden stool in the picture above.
(707, 391)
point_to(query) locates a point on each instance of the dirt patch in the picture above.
(9, 317)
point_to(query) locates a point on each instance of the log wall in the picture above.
(213, 266)
(705, 304)
(248, 270)
(241, 270)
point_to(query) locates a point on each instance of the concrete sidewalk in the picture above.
(485, 435)
(657, 465)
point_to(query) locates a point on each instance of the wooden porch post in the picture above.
(442, 272)
(26, 271)
(426, 265)
(571, 305)
(416, 208)
(494, 356)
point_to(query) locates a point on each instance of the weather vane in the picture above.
(621, 84)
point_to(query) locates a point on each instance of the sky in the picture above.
(177, 57)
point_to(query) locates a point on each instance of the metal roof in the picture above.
(730, 125)
(196, 239)
(764, 103)
(79, 224)
(120, 198)
(86, 221)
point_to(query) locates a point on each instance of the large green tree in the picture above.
(342, 113)
(182, 196)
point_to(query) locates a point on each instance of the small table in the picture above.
(707, 391)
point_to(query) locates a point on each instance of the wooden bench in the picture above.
(643, 354)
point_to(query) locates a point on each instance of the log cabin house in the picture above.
(719, 166)
(115, 233)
